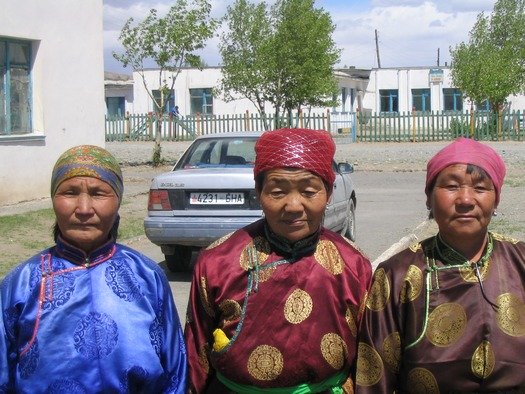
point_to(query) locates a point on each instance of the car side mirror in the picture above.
(345, 168)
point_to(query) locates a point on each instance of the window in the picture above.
(388, 100)
(15, 87)
(453, 99)
(483, 106)
(115, 107)
(168, 106)
(201, 101)
(421, 99)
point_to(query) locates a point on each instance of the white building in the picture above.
(421, 89)
(51, 91)
(194, 91)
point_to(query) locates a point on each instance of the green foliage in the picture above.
(283, 56)
(492, 64)
(171, 42)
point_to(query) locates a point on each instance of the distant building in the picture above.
(194, 92)
(403, 89)
(51, 92)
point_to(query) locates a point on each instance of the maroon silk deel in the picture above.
(300, 320)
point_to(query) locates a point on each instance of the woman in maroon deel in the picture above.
(276, 305)
(448, 314)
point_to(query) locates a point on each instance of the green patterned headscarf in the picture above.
(91, 161)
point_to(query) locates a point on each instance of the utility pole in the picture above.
(438, 58)
(377, 51)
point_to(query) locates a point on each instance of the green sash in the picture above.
(333, 384)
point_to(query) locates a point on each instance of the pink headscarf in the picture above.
(311, 150)
(468, 151)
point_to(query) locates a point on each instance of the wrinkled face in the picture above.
(462, 204)
(85, 209)
(293, 202)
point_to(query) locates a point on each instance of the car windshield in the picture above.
(220, 152)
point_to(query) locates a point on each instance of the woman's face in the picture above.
(462, 204)
(86, 209)
(293, 202)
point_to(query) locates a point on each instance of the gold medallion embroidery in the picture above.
(379, 292)
(504, 238)
(219, 241)
(446, 324)
(230, 310)
(348, 386)
(203, 358)
(265, 363)
(483, 360)
(511, 315)
(203, 291)
(328, 256)
(469, 274)
(415, 247)
(412, 284)
(298, 306)
(421, 380)
(351, 319)
(392, 351)
(369, 366)
(334, 350)
(259, 249)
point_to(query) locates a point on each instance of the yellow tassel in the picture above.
(220, 340)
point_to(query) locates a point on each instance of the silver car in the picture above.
(211, 192)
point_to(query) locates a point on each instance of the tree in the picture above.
(171, 42)
(491, 66)
(283, 56)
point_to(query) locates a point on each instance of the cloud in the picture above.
(411, 32)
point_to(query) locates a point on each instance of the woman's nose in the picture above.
(293, 203)
(465, 194)
(84, 203)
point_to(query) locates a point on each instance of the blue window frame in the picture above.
(483, 106)
(388, 100)
(421, 99)
(453, 99)
(115, 107)
(201, 101)
(168, 105)
(15, 87)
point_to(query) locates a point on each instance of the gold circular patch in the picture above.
(446, 324)
(392, 351)
(298, 306)
(412, 284)
(369, 366)
(203, 292)
(265, 363)
(511, 315)
(348, 386)
(421, 380)
(328, 256)
(230, 310)
(351, 319)
(469, 274)
(334, 350)
(504, 238)
(379, 292)
(258, 249)
(483, 360)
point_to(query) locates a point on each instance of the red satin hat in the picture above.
(311, 150)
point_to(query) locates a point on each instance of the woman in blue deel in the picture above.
(89, 315)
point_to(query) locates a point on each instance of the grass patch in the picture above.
(26, 234)
(506, 227)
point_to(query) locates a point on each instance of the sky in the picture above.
(409, 32)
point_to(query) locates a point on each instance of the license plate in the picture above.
(216, 198)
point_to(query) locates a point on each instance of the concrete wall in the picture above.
(67, 88)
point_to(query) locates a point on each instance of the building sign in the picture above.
(436, 75)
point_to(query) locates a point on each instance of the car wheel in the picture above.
(180, 260)
(348, 229)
